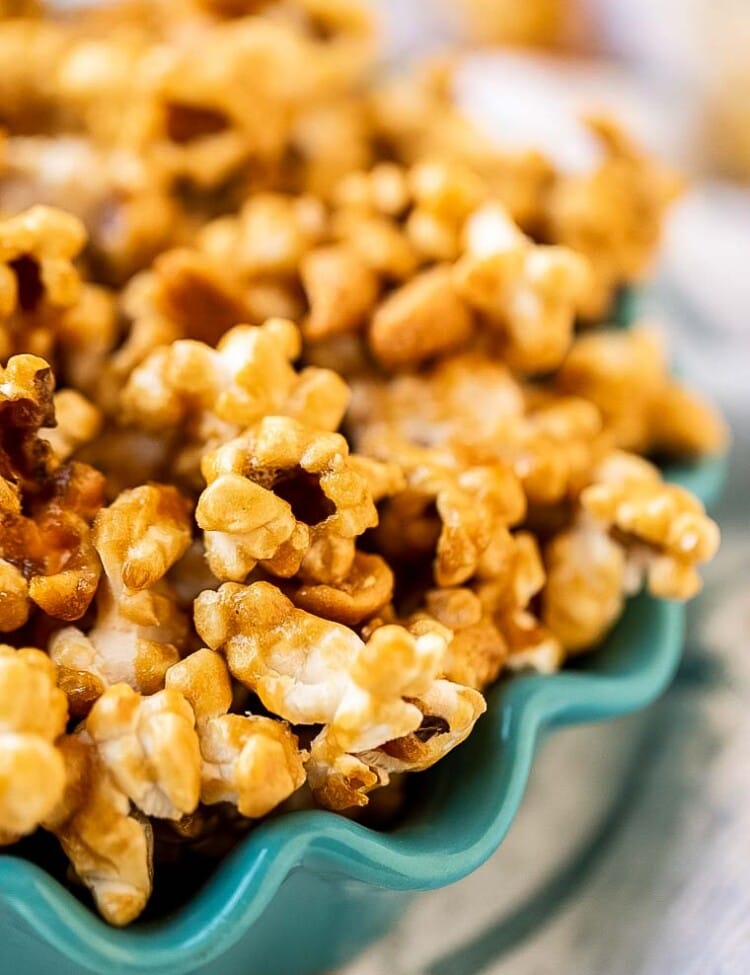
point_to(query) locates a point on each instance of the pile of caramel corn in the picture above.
(311, 424)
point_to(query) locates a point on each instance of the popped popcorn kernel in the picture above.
(273, 492)
(109, 848)
(33, 713)
(404, 330)
(248, 760)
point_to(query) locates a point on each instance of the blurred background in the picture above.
(631, 852)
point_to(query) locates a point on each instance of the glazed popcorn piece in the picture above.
(586, 585)
(150, 747)
(612, 214)
(45, 507)
(624, 374)
(465, 398)
(664, 528)
(528, 293)
(365, 590)
(275, 490)
(124, 201)
(33, 713)
(250, 761)
(457, 510)
(268, 237)
(216, 392)
(449, 713)
(109, 848)
(37, 278)
(313, 671)
(403, 330)
(78, 422)
(478, 651)
(139, 626)
(340, 288)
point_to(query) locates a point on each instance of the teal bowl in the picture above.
(307, 891)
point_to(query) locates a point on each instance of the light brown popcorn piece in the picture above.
(585, 588)
(379, 241)
(269, 236)
(424, 318)
(197, 294)
(139, 626)
(663, 527)
(45, 507)
(382, 189)
(453, 507)
(30, 49)
(465, 398)
(37, 277)
(478, 651)
(275, 489)
(33, 713)
(341, 290)
(529, 293)
(15, 604)
(250, 761)
(444, 194)
(506, 586)
(123, 200)
(449, 713)
(78, 423)
(140, 536)
(109, 848)
(625, 374)
(365, 590)
(212, 394)
(313, 671)
(150, 747)
(613, 214)
(226, 99)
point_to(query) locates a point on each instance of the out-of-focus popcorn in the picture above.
(77, 423)
(250, 761)
(663, 527)
(109, 847)
(275, 492)
(139, 626)
(403, 333)
(33, 713)
(124, 202)
(30, 49)
(528, 293)
(37, 278)
(625, 375)
(612, 215)
(586, 585)
(340, 288)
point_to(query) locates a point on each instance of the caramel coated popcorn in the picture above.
(33, 713)
(311, 429)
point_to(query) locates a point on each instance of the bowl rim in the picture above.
(243, 885)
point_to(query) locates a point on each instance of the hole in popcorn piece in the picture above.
(431, 725)
(185, 123)
(29, 278)
(303, 493)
